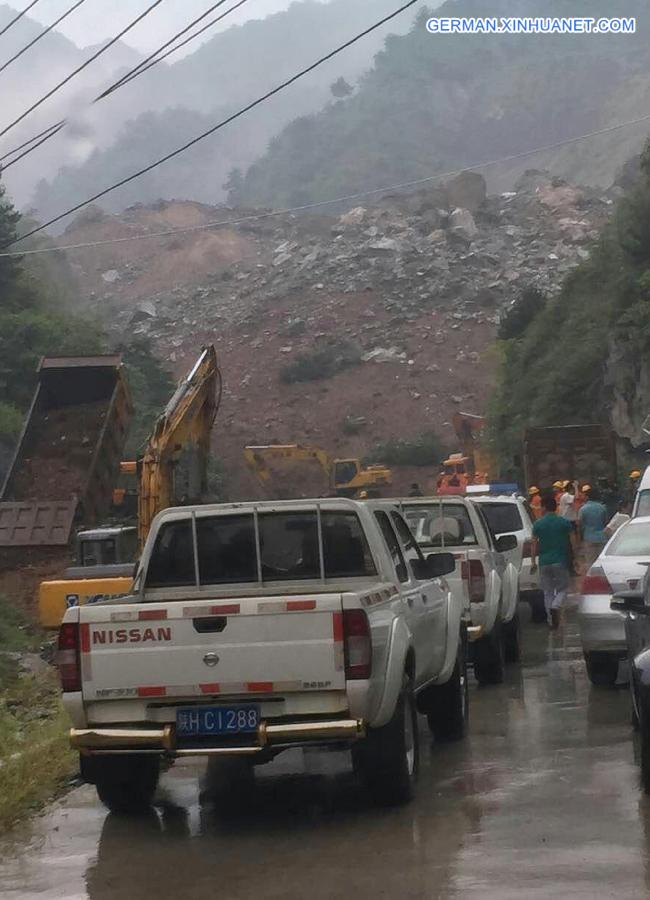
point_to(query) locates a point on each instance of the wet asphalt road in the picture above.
(541, 801)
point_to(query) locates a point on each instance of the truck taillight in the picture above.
(596, 582)
(67, 657)
(357, 644)
(476, 581)
(528, 550)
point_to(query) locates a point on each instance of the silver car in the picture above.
(620, 567)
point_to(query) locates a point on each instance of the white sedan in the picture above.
(621, 566)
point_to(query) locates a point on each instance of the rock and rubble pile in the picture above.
(415, 252)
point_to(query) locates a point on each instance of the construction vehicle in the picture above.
(68, 453)
(471, 467)
(171, 471)
(557, 453)
(347, 477)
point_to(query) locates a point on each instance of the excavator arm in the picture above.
(183, 428)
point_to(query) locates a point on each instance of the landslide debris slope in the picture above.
(346, 331)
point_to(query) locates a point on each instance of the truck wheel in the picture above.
(538, 608)
(511, 640)
(489, 662)
(602, 668)
(447, 705)
(389, 757)
(126, 784)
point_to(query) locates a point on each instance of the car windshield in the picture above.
(440, 525)
(503, 518)
(631, 540)
(643, 507)
(289, 549)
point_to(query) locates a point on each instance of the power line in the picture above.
(19, 16)
(219, 125)
(154, 58)
(81, 67)
(130, 76)
(41, 35)
(319, 204)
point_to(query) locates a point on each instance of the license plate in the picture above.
(207, 720)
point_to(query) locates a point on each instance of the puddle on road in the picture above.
(541, 801)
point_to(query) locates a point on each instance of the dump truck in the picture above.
(106, 556)
(563, 452)
(347, 477)
(69, 451)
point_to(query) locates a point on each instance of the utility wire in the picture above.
(41, 35)
(81, 67)
(135, 72)
(219, 125)
(224, 223)
(154, 58)
(19, 16)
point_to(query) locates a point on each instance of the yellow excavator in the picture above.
(347, 477)
(180, 440)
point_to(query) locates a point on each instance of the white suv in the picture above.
(512, 515)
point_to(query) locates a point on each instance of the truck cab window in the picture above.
(393, 546)
(172, 558)
(411, 550)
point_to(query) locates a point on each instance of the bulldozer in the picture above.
(346, 477)
(105, 556)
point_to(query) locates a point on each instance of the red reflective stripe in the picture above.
(210, 688)
(226, 609)
(147, 614)
(152, 691)
(259, 687)
(84, 630)
(298, 605)
(337, 626)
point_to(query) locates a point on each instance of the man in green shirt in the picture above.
(553, 536)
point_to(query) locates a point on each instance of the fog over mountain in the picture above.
(176, 99)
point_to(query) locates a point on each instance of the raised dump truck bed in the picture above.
(69, 452)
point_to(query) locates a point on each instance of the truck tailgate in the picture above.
(208, 647)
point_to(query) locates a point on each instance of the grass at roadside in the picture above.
(35, 760)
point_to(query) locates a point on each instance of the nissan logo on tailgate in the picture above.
(211, 659)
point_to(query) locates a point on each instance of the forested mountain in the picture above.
(439, 102)
(582, 355)
(178, 99)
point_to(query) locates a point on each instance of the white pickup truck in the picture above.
(260, 626)
(485, 579)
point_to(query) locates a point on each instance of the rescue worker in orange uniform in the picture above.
(535, 499)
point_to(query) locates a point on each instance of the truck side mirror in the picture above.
(506, 542)
(629, 602)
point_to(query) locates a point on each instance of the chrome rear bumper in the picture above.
(102, 741)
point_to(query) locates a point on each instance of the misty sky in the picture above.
(97, 20)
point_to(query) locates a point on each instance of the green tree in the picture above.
(341, 89)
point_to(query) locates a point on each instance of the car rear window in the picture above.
(503, 518)
(289, 543)
(643, 504)
(631, 540)
(440, 525)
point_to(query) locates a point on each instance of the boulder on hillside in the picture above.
(467, 191)
(462, 224)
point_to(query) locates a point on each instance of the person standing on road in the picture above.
(553, 536)
(567, 507)
(567, 510)
(593, 519)
(535, 499)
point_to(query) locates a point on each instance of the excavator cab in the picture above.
(107, 546)
(345, 471)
